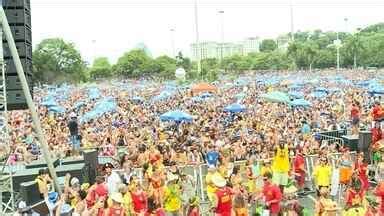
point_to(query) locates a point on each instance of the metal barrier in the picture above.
(334, 133)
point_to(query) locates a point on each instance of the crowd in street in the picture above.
(255, 157)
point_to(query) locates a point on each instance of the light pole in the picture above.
(292, 24)
(346, 24)
(221, 14)
(197, 40)
(337, 43)
(173, 42)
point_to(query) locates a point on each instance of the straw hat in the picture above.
(290, 190)
(218, 181)
(117, 197)
(172, 177)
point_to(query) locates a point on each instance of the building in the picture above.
(251, 45)
(223, 50)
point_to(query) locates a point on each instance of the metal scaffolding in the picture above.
(7, 203)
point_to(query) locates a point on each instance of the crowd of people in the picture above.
(255, 159)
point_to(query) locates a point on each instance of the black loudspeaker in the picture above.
(18, 13)
(351, 141)
(365, 139)
(41, 164)
(29, 192)
(91, 160)
(79, 171)
(69, 161)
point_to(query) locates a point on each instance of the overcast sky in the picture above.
(111, 27)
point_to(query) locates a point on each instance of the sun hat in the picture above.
(117, 197)
(218, 181)
(172, 177)
(75, 181)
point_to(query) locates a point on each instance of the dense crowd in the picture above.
(255, 158)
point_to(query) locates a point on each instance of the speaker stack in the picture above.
(18, 13)
(365, 139)
(91, 161)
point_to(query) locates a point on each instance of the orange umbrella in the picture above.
(203, 87)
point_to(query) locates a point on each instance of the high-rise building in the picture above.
(222, 50)
(251, 45)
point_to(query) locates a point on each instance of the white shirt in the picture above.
(113, 182)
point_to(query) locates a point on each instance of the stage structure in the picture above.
(16, 70)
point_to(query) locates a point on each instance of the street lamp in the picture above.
(221, 14)
(173, 42)
(292, 26)
(346, 24)
(337, 44)
(197, 40)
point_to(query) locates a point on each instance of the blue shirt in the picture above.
(212, 158)
(305, 129)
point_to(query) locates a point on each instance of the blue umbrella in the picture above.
(319, 94)
(235, 108)
(321, 89)
(176, 116)
(205, 95)
(296, 94)
(300, 102)
(276, 96)
(137, 99)
(56, 109)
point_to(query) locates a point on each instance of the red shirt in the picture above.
(355, 112)
(380, 193)
(224, 201)
(376, 135)
(272, 192)
(116, 211)
(376, 112)
(139, 201)
(194, 212)
(298, 164)
(158, 212)
(354, 198)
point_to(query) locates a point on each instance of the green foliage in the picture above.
(165, 66)
(268, 45)
(55, 60)
(101, 68)
(134, 64)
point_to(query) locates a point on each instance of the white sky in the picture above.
(111, 27)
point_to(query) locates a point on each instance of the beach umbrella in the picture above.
(176, 116)
(296, 94)
(300, 102)
(276, 96)
(205, 95)
(203, 87)
(137, 99)
(235, 108)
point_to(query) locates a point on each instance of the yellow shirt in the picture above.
(208, 180)
(172, 198)
(42, 185)
(264, 170)
(281, 160)
(322, 175)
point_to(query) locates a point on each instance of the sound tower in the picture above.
(18, 13)
(365, 139)
(29, 192)
(91, 160)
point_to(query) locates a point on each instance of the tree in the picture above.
(183, 62)
(354, 46)
(57, 60)
(100, 68)
(165, 66)
(268, 45)
(134, 63)
(303, 53)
